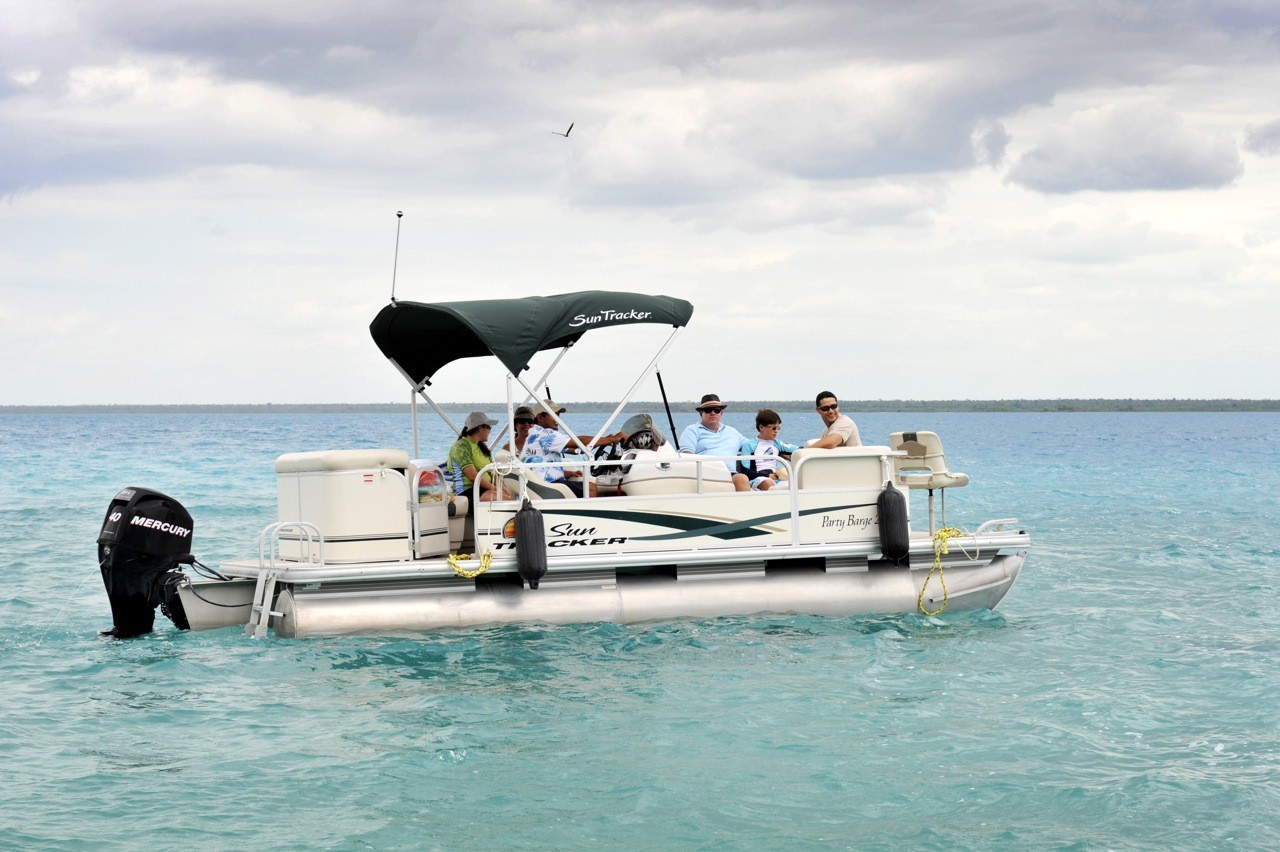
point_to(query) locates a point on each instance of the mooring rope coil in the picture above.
(455, 561)
(941, 547)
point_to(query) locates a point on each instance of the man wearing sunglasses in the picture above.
(841, 431)
(712, 437)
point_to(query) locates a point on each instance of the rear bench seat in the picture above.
(841, 467)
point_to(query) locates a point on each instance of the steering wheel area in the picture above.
(606, 460)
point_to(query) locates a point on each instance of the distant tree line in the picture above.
(687, 406)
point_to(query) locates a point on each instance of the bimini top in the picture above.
(421, 339)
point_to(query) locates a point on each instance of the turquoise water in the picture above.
(1122, 696)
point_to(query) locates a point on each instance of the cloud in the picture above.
(699, 109)
(25, 76)
(233, 169)
(852, 121)
(990, 140)
(1080, 241)
(349, 53)
(1131, 148)
(1263, 139)
(144, 117)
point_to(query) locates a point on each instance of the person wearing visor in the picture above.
(710, 436)
(470, 454)
(544, 443)
(840, 429)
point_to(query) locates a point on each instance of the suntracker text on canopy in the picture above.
(421, 338)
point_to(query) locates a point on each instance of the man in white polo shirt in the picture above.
(841, 431)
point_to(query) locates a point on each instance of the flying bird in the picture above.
(566, 133)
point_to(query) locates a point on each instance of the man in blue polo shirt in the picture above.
(711, 437)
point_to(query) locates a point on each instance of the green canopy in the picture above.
(421, 338)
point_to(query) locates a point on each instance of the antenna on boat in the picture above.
(396, 262)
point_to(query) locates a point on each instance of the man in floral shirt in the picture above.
(546, 443)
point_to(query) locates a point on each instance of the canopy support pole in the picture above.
(533, 395)
(614, 416)
(511, 422)
(452, 426)
(531, 398)
(573, 436)
(413, 412)
(421, 388)
(667, 405)
(652, 365)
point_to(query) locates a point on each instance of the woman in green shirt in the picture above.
(469, 455)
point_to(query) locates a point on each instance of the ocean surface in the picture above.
(1124, 695)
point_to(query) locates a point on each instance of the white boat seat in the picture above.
(458, 511)
(665, 471)
(538, 489)
(924, 466)
(839, 467)
(328, 460)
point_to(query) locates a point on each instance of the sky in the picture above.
(907, 200)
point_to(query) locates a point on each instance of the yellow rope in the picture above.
(485, 559)
(940, 549)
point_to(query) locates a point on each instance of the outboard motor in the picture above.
(144, 537)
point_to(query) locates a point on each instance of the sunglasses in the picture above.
(522, 421)
(832, 407)
(771, 426)
(712, 410)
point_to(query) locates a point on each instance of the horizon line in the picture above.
(1012, 404)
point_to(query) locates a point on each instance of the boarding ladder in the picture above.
(268, 547)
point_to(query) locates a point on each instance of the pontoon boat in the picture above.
(375, 540)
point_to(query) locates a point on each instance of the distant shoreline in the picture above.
(686, 406)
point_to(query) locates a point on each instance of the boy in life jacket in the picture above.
(765, 449)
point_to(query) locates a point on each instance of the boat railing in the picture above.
(522, 470)
(793, 469)
(307, 535)
(996, 525)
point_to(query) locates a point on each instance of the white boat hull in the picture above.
(640, 598)
(815, 549)
(346, 607)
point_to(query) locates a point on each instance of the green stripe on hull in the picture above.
(690, 527)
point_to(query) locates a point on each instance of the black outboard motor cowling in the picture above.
(145, 536)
